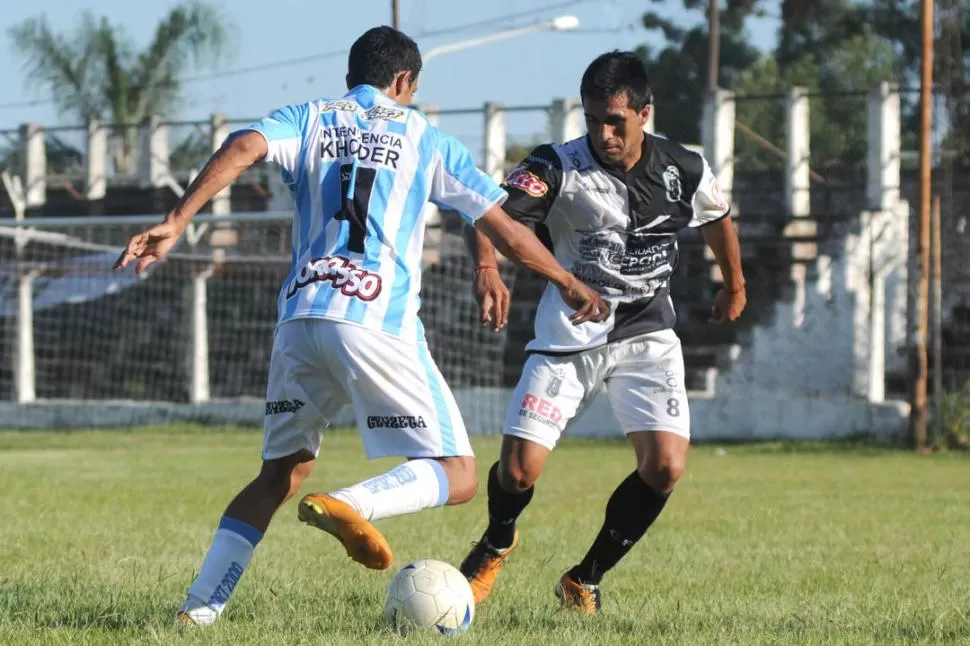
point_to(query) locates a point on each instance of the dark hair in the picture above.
(616, 73)
(379, 54)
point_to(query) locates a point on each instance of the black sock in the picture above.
(503, 509)
(631, 510)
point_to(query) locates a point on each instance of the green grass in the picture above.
(101, 532)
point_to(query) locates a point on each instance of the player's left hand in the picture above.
(150, 245)
(493, 297)
(728, 306)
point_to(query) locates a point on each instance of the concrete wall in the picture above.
(835, 335)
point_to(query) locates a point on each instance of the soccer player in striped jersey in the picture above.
(361, 168)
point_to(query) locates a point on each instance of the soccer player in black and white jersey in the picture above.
(610, 205)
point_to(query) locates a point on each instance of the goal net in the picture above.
(195, 332)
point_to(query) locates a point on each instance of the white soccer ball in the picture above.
(429, 594)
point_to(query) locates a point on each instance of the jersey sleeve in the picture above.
(284, 130)
(533, 185)
(708, 203)
(457, 184)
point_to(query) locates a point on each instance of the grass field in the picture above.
(102, 531)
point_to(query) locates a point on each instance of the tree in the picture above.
(837, 49)
(823, 27)
(678, 71)
(765, 78)
(516, 150)
(96, 72)
(838, 83)
(951, 62)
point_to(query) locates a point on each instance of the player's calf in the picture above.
(631, 510)
(410, 487)
(462, 478)
(240, 530)
(485, 560)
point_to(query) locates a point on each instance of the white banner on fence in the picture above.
(77, 279)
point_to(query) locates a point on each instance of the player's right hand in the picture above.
(589, 305)
(493, 297)
(150, 245)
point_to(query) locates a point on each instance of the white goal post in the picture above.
(191, 338)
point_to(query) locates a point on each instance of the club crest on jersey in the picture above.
(555, 384)
(526, 181)
(672, 184)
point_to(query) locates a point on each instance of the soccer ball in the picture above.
(429, 594)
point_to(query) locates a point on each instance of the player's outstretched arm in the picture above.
(518, 243)
(225, 165)
(722, 238)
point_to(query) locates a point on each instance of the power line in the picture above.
(605, 30)
(325, 55)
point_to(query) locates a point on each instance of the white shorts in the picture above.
(402, 403)
(644, 379)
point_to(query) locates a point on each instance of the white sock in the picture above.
(405, 489)
(224, 564)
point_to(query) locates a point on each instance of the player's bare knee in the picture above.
(662, 473)
(516, 477)
(520, 464)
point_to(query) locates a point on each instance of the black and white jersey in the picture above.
(615, 230)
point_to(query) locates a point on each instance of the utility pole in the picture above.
(395, 15)
(714, 41)
(917, 415)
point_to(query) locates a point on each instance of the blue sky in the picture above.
(527, 70)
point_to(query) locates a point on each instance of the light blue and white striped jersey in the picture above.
(361, 170)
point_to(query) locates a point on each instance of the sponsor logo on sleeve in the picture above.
(717, 196)
(526, 181)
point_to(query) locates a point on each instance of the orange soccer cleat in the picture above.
(482, 565)
(359, 537)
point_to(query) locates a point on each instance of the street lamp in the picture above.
(561, 23)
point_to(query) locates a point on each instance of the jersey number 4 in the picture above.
(354, 204)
